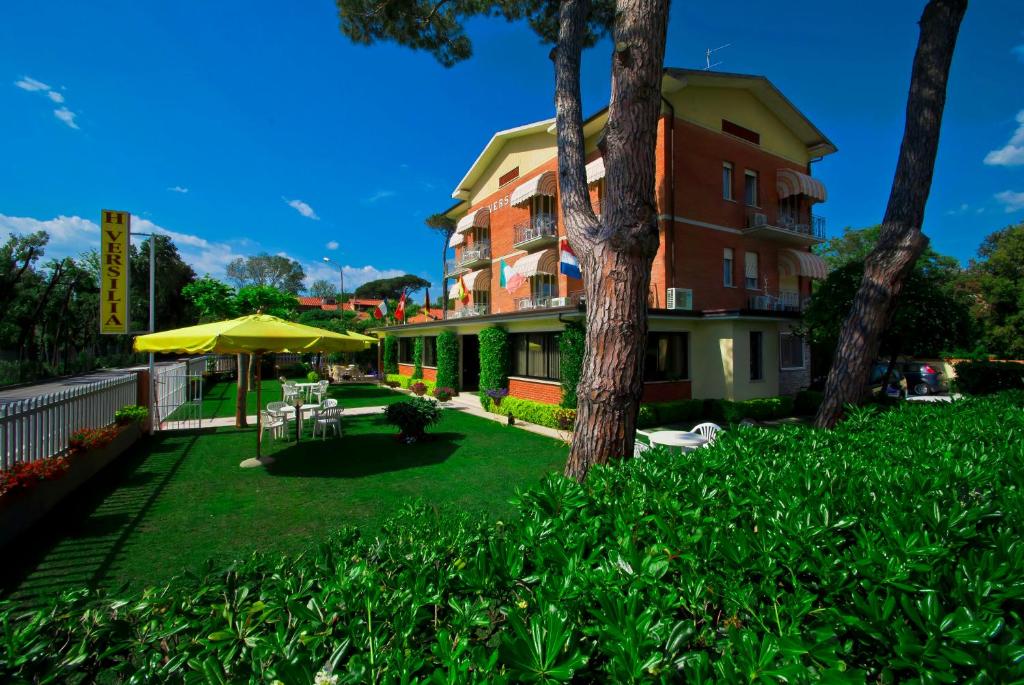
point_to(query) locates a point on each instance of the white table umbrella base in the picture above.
(256, 462)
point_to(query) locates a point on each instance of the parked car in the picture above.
(922, 378)
(896, 387)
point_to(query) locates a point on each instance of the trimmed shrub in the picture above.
(390, 354)
(759, 409)
(564, 418)
(884, 551)
(807, 402)
(531, 411)
(677, 411)
(312, 377)
(647, 417)
(130, 413)
(418, 388)
(406, 382)
(984, 377)
(494, 358)
(448, 360)
(412, 416)
(417, 358)
(571, 345)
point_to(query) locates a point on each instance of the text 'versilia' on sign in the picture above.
(114, 231)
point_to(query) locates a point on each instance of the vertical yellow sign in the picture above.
(114, 231)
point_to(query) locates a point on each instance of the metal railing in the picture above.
(790, 222)
(475, 252)
(38, 427)
(467, 310)
(544, 302)
(781, 301)
(540, 226)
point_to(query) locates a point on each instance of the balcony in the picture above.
(780, 301)
(786, 228)
(571, 300)
(542, 229)
(467, 311)
(477, 254)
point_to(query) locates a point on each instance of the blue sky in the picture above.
(241, 127)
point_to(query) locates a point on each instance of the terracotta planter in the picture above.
(19, 511)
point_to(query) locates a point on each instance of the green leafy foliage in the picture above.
(984, 377)
(759, 409)
(676, 411)
(540, 413)
(413, 416)
(391, 288)
(448, 360)
(390, 354)
(886, 550)
(417, 357)
(267, 270)
(131, 413)
(494, 361)
(571, 347)
(996, 279)
(267, 299)
(806, 402)
(313, 377)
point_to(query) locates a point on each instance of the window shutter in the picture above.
(727, 254)
(751, 264)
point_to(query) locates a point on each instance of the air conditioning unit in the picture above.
(755, 219)
(679, 298)
(558, 302)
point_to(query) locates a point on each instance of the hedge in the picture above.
(390, 354)
(448, 360)
(677, 411)
(984, 377)
(494, 360)
(571, 346)
(406, 381)
(417, 357)
(760, 409)
(884, 551)
(807, 402)
(540, 413)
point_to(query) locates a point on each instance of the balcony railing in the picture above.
(467, 311)
(816, 226)
(546, 302)
(469, 256)
(540, 228)
(781, 301)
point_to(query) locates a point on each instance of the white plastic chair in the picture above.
(319, 391)
(272, 422)
(330, 402)
(328, 417)
(639, 448)
(708, 431)
(291, 391)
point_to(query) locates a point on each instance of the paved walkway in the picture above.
(229, 421)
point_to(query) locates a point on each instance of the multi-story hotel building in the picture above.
(735, 199)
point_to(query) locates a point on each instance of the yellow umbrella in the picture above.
(254, 334)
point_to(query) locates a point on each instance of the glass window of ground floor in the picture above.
(535, 355)
(667, 357)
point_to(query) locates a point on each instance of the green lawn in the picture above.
(181, 498)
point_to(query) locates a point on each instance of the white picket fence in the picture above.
(37, 427)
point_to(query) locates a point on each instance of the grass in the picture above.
(180, 499)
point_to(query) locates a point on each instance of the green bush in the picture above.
(448, 360)
(313, 377)
(390, 354)
(292, 370)
(571, 346)
(675, 411)
(494, 359)
(131, 413)
(417, 358)
(807, 402)
(407, 381)
(984, 377)
(412, 416)
(760, 409)
(531, 411)
(887, 550)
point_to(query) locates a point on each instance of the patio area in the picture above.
(180, 499)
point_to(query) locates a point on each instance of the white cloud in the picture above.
(1010, 200)
(56, 97)
(379, 195)
(959, 210)
(355, 276)
(1012, 153)
(333, 245)
(178, 189)
(31, 85)
(302, 208)
(67, 116)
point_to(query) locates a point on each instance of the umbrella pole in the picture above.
(259, 404)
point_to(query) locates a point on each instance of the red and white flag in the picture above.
(400, 310)
(381, 311)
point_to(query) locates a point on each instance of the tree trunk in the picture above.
(242, 368)
(901, 240)
(616, 252)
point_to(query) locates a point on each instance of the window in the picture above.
(743, 132)
(481, 298)
(791, 351)
(756, 356)
(750, 272)
(667, 357)
(405, 350)
(429, 351)
(750, 188)
(543, 286)
(542, 212)
(727, 180)
(535, 355)
(727, 260)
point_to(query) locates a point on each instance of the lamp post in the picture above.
(341, 275)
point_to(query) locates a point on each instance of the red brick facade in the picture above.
(666, 391)
(429, 373)
(537, 391)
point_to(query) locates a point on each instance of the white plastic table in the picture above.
(289, 413)
(306, 388)
(684, 440)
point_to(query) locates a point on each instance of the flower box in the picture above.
(19, 510)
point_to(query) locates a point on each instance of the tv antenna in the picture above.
(707, 56)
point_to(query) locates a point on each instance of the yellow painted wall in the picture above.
(711, 359)
(744, 388)
(527, 152)
(708, 106)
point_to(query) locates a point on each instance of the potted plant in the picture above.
(419, 389)
(497, 395)
(412, 417)
(131, 413)
(313, 377)
(444, 394)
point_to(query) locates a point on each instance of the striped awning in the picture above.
(475, 280)
(457, 239)
(595, 170)
(545, 184)
(791, 182)
(800, 263)
(543, 262)
(481, 218)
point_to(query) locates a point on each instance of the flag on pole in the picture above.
(381, 311)
(462, 295)
(513, 279)
(400, 310)
(503, 273)
(569, 265)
